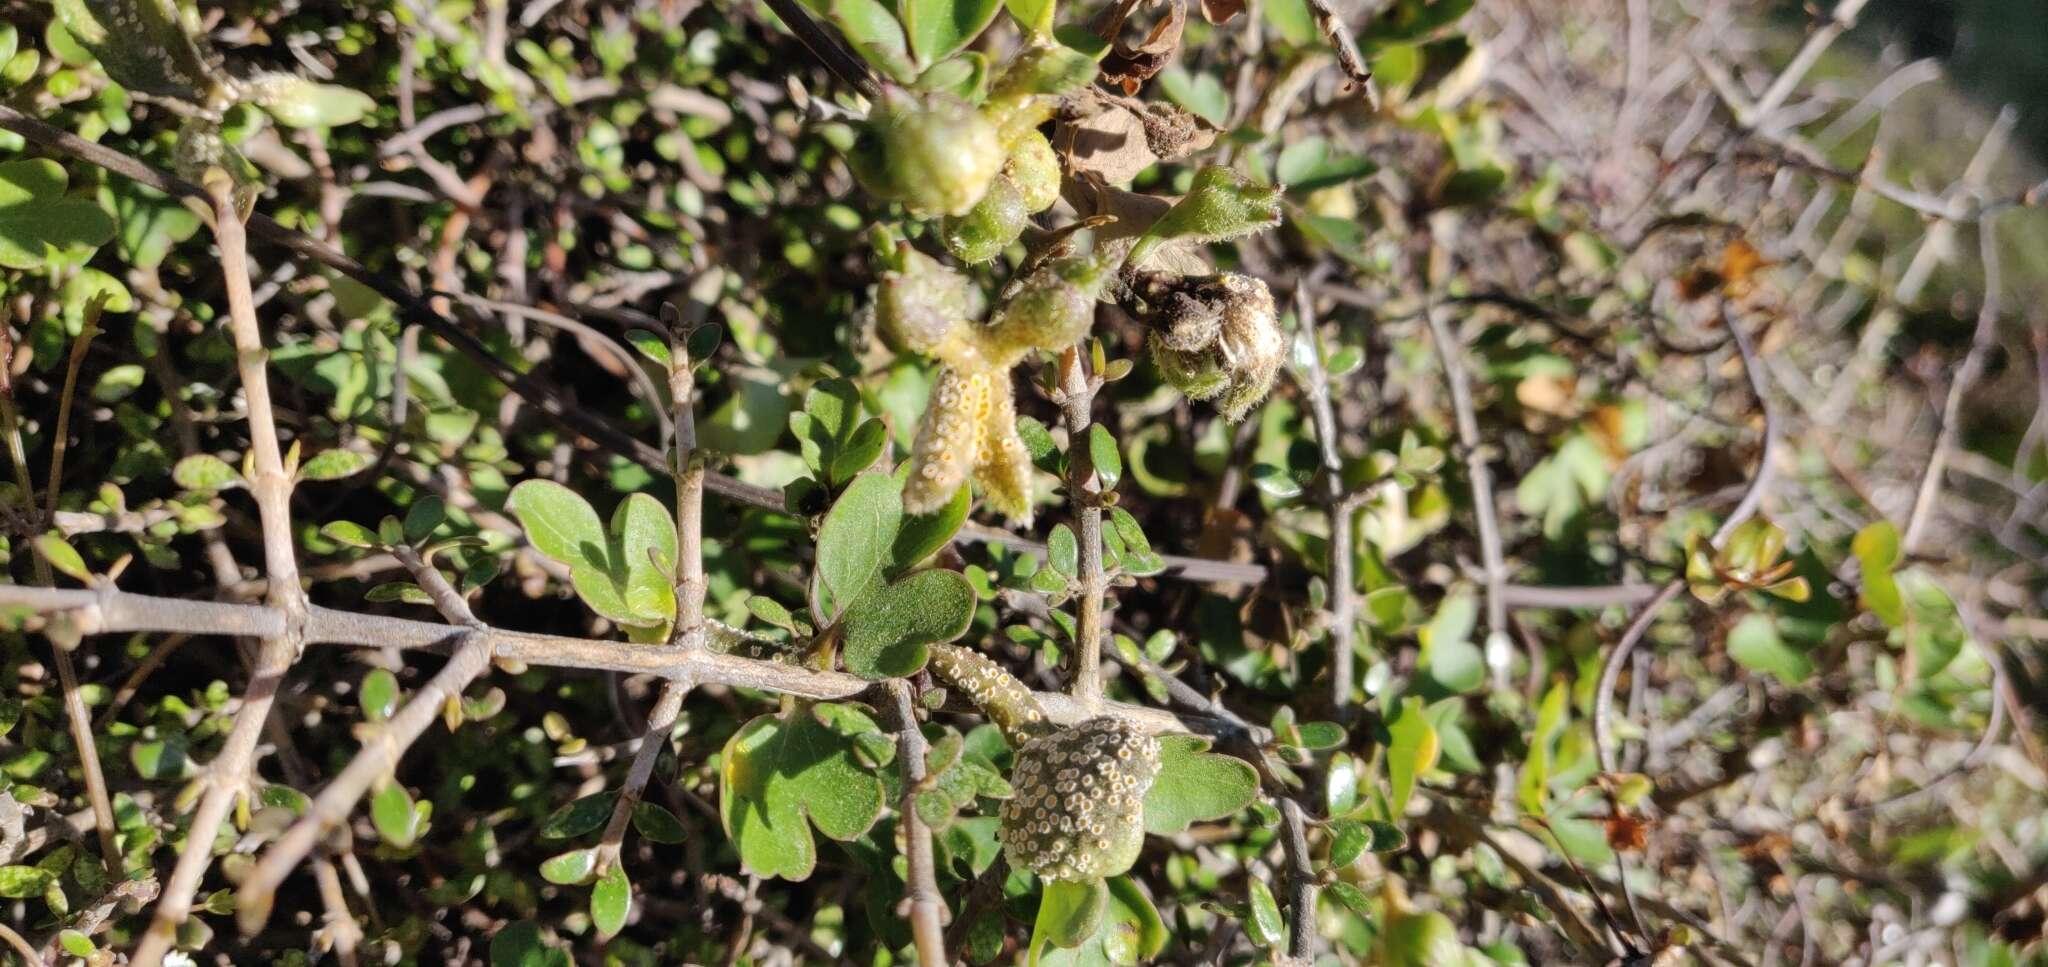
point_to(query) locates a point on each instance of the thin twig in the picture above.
(1339, 34)
(76, 716)
(826, 47)
(1982, 342)
(927, 911)
(1752, 497)
(1817, 43)
(1343, 585)
(1301, 884)
(1084, 494)
(380, 753)
(108, 611)
(1450, 353)
(689, 589)
(229, 775)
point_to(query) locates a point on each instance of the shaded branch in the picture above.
(229, 775)
(107, 611)
(926, 910)
(1752, 497)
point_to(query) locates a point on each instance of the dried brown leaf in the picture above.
(1131, 65)
(1221, 11)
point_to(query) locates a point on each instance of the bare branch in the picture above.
(228, 776)
(1752, 497)
(380, 753)
(1301, 884)
(111, 612)
(1343, 585)
(1450, 352)
(927, 911)
(1084, 493)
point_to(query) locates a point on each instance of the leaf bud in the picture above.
(931, 152)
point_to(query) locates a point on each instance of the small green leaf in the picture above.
(1448, 653)
(1104, 457)
(1131, 932)
(651, 345)
(1038, 440)
(939, 28)
(585, 815)
(425, 514)
(75, 943)
(1201, 93)
(118, 383)
(23, 882)
(1069, 912)
(922, 535)
(1754, 643)
(876, 33)
(778, 770)
(1195, 785)
(558, 521)
(611, 901)
(860, 450)
(1877, 548)
(1411, 753)
(1353, 898)
(889, 630)
(1275, 481)
(1307, 165)
(379, 695)
(1035, 16)
(1264, 924)
(1063, 551)
(350, 534)
(703, 341)
(521, 945)
(1320, 736)
(299, 103)
(571, 868)
(854, 541)
(205, 473)
(658, 824)
(334, 465)
(38, 222)
(393, 813)
(61, 555)
(1349, 839)
(1340, 790)
(162, 759)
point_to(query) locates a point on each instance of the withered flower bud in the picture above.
(1214, 336)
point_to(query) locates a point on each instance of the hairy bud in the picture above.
(1079, 808)
(1051, 311)
(989, 227)
(1003, 469)
(949, 438)
(1214, 337)
(1221, 204)
(933, 153)
(1035, 167)
(924, 307)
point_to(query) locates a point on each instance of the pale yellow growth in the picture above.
(1003, 467)
(1008, 704)
(949, 438)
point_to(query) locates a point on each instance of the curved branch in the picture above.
(1752, 497)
